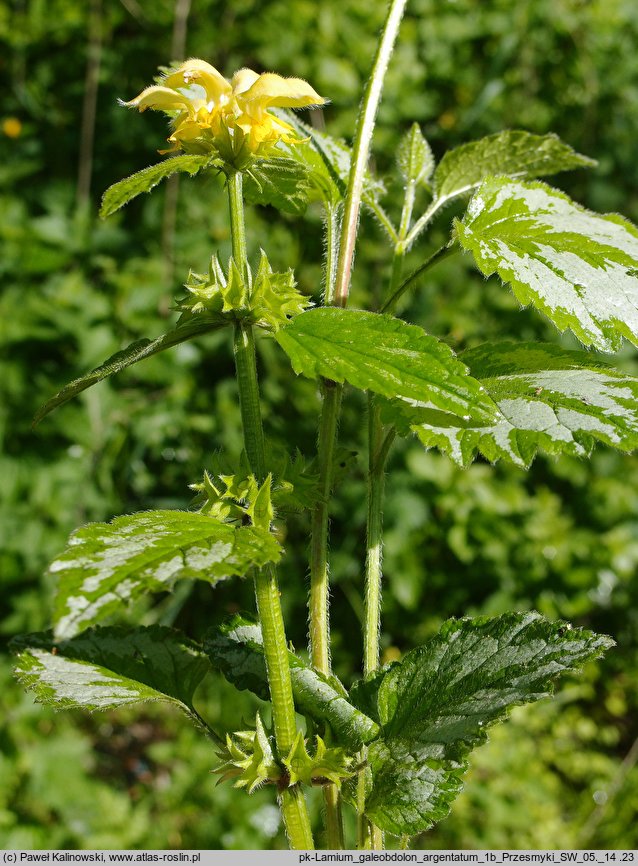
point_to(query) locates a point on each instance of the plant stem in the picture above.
(319, 579)
(397, 293)
(319, 574)
(247, 382)
(326, 444)
(406, 211)
(237, 227)
(435, 206)
(89, 106)
(361, 149)
(378, 450)
(292, 801)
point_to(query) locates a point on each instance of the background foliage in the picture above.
(562, 538)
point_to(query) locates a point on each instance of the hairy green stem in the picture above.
(373, 578)
(237, 226)
(249, 405)
(437, 205)
(326, 444)
(292, 802)
(406, 212)
(319, 574)
(361, 149)
(398, 292)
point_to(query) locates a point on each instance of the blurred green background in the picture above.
(562, 538)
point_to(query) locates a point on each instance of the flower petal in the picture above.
(159, 98)
(272, 89)
(203, 73)
(243, 79)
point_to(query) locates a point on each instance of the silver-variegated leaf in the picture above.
(438, 703)
(107, 565)
(110, 667)
(577, 267)
(549, 399)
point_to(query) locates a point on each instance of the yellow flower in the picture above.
(213, 115)
(11, 127)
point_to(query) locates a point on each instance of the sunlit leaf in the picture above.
(124, 191)
(548, 398)
(280, 182)
(110, 667)
(414, 156)
(577, 267)
(513, 152)
(107, 565)
(328, 161)
(382, 354)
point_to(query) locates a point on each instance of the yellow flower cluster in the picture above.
(213, 115)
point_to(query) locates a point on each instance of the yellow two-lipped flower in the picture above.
(210, 114)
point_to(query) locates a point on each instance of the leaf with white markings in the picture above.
(513, 152)
(437, 704)
(124, 191)
(109, 564)
(110, 667)
(548, 398)
(237, 650)
(382, 354)
(575, 266)
(414, 156)
(188, 327)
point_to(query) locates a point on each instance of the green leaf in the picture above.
(124, 191)
(382, 354)
(513, 152)
(187, 328)
(280, 182)
(237, 651)
(548, 398)
(108, 564)
(414, 156)
(110, 667)
(328, 161)
(575, 266)
(437, 704)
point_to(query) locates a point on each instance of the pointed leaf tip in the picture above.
(386, 355)
(437, 704)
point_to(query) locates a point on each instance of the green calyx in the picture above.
(327, 765)
(235, 499)
(267, 300)
(249, 759)
(229, 492)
